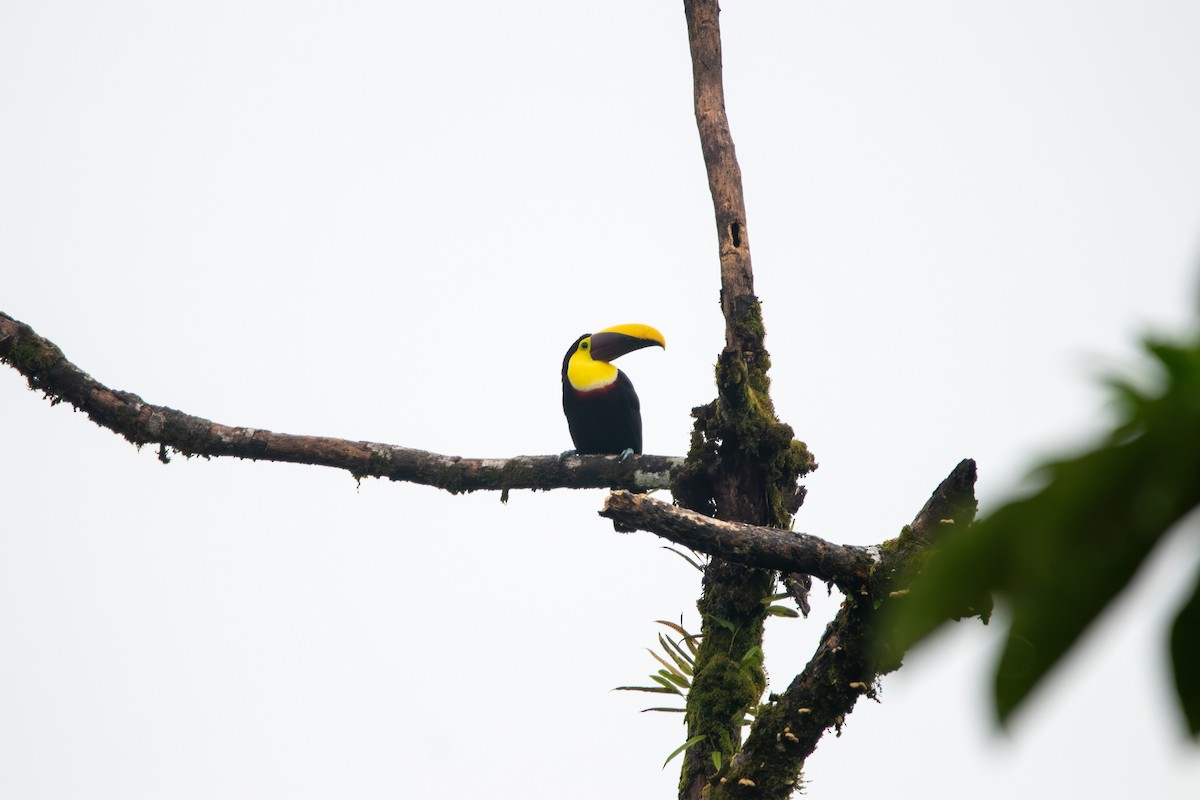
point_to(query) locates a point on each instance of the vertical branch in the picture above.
(744, 463)
(724, 175)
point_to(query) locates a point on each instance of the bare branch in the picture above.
(724, 174)
(752, 545)
(48, 370)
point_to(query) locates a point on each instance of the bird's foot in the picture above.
(566, 453)
(626, 453)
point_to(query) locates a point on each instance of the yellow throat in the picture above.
(585, 373)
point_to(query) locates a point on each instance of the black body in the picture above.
(606, 420)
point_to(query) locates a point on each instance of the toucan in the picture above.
(603, 411)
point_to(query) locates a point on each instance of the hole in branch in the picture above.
(735, 233)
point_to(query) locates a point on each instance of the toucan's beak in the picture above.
(618, 340)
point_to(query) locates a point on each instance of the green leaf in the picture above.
(686, 558)
(671, 687)
(660, 708)
(771, 598)
(716, 759)
(688, 639)
(782, 611)
(678, 680)
(724, 623)
(1185, 658)
(655, 689)
(683, 747)
(1059, 556)
(675, 626)
(682, 659)
(751, 655)
(671, 668)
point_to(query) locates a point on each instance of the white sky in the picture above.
(387, 221)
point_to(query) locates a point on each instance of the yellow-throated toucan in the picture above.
(602, 408)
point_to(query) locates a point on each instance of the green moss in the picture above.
(751, 433)
(34, 359)
(29, 357)
(378, 466)
(893, 547)
(722, 691)
(729, 676)
(748, 324)
(741, 452)
(905, 549)
(448, 478)
(692, 485)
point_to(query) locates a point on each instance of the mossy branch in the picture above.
(47, 370)
(846, 665)
(744, 463)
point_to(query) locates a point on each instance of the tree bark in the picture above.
(724, 174)
(847, 566)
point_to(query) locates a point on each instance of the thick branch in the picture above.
(844, 666)
(752, 545)
(48, 370)
(757, 461)
(724, 174)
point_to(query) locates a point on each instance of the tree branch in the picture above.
(845, 665)
(743, 463)
(48, 370)
(724, 174)
(847, 566)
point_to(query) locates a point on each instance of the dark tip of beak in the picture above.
(608, 345)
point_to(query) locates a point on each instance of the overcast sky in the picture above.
(387, 221)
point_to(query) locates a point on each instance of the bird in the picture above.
(602, 408)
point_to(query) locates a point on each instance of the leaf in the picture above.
(724, 623)
(660, 708)
(675, 626)
(655, 689)
(682, 659)
(686, 558)
(682, 747)
(678, 680)
(771, 598)
(671, 687)
(673, 646)
(671, 668)
(716, 759)
(1059, 556)
(750, 655)
(782, 611)
(1185, 658)
(688, 639)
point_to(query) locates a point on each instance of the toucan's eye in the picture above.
(584, 344)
